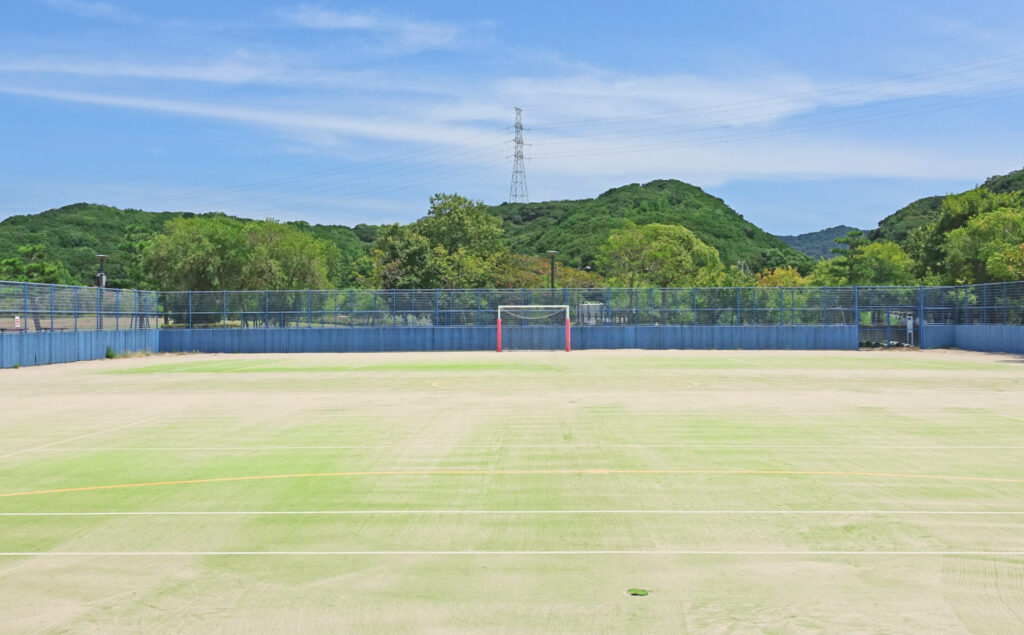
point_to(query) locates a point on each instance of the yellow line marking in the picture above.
(264, 477)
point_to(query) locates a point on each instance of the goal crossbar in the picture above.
(535, 329)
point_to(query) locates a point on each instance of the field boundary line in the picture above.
(534, 512)
(596, 552)
(81, 436)
(594, 472)
(697, 446)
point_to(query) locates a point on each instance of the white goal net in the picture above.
(533, 327)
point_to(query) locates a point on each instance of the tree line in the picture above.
(977, 236)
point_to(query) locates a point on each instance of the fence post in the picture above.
(76, 309)
(856, 308)
(224, 306)
(24, 293)
(117, 309)
(394, 307)
(695, 306)
(782, 305)
(190, 309)
(737, 306)
(824, 297)
(437, 306)
(956, 305)
(984, 304)
(51, 307)
(1006, 319)
(99, 308)
(920, 319)
(652, 306)
(266, 309)
(479, 310)
(309, 308)
(607, 305)
(888, 327)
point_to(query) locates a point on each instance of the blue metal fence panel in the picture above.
(34, 349)
(476, 338)
(992, 338)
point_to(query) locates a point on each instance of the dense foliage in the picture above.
(75, 234)
(32, 265)
(205, 254)
(664, 233)
(579, 229)
(658, 255)
(818, 244)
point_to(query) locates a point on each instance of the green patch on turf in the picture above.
(638, 592)
(273, 366)
(852, 361)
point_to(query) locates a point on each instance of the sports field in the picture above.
(521, 492)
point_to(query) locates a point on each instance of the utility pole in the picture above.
(552, 255)
(517, 193)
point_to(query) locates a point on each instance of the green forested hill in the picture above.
(921, 212)
(818, 244)
(577, 229)
(74, 234)
(897, 225)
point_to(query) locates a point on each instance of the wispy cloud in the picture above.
(90, 9)
(381, 128)
(240, 68)
(393, 33)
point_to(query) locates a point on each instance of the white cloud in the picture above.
(394, 34)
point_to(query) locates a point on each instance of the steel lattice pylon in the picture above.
(518, 193)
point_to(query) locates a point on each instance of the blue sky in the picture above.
(801, 115)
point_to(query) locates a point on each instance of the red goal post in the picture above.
(530, 326)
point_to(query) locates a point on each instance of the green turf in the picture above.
(619, 461)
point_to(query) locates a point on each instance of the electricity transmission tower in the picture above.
(517, 193)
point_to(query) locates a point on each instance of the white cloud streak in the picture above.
(380, 128)
(237, 69)
(395, 34)
(90, 9)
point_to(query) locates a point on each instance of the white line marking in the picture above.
(604, 552)
(540, 512)
(81, 436)
(285, 448)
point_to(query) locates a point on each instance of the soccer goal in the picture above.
(533, 327)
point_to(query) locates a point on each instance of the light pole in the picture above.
(552, 254)
(101, 282)
(101, 277)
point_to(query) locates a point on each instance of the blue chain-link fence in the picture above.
(27, 307)
(884, 314)
(889, 309)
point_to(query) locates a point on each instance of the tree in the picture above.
(455, 222)
(659, 256)
(883, 263)
(214, 253)
(458, 244)
(197, 254)
(781, 277)
(977, 251)
(519, 271)
(34, 266)
(132, 245)
(284, 257)
(1009, 265)
(863, 262)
